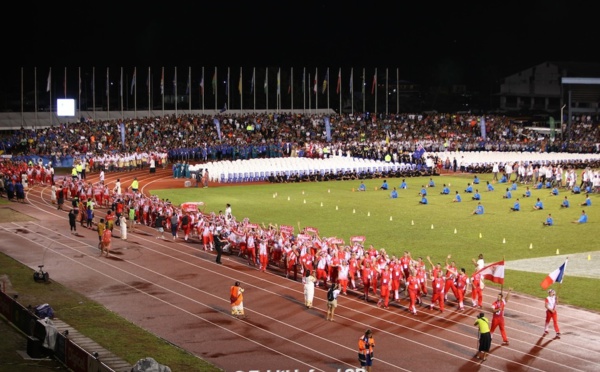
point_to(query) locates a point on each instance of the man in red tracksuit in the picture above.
(477, 290)
(498, 318)
(413, 287)
(437, 284)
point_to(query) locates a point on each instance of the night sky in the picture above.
(466, 42)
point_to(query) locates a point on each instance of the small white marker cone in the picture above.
(321, 204)
(336, 207)
(480, 236)
(368, 214)
(589, 257)
(288, 198)
(354, 211)
(412, 222)
(304, 201)
(455, 231)
(431, 226)
(503, 240)
(302, 192)
(530, 245)
(557, 251)
(390, 218)
(329, 190)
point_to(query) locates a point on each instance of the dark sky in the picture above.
(452, 42)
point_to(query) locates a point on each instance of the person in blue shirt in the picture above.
(475, 180)
(394, 194)
(477, 195)
(587, 202)
(384, 185)
(457, 198)
(423, 191)
(554, 191)
(513, 187)
(423, 200)
(549, 220)
(576, 190)
(403, 184)
(548, 184)
(508, 194)
(503, 179)
(527, 193)
(362, 186)
(479, 209)
(445, 190)
(517, 206)
(539, 185)
(490, 187)
(469, 188)
(431, 183)
(565, 203)
(538, 205)
(583, 218)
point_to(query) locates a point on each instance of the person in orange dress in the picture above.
(236, 296)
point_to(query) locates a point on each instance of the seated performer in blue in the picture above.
(384, 185)
(457, 198)
(445, 190)
(517, 206)
(403, 184)
(477, 195)
(479, 209)
(490, 187)
(394, 194)
(469, 188)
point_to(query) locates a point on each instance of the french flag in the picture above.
(556, 276)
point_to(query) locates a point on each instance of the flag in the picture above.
(218, 125)
(374, 83)
(253, 80)
(121, 84)
(214, 82)
(175, 81)
(339, 82)
(266, 86)
(555, 277)
(327, 128)
(316, 81)
(162, 82)
(325, 81)
(279, 82)
(493, 272)
(351, 83)
(133, 80)
(49, 79)
(189, 82)
(79, 83)
(122, 130)
(482, 126)
(240, 82)
(202, 86)
(107, 82)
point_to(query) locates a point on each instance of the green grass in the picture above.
(437, 229)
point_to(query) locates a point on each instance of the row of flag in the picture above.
(495, 273)
(324, 83)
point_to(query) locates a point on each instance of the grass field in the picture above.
(440, 228)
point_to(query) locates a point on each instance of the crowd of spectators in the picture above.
(202, 138)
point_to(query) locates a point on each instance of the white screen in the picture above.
(65, 107)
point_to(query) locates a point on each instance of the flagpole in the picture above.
(121, 91)
(202, 89)
(135, 92)
(375, 90)
(386, 91)
(65, 82)
(108, 92)
(254, 88)
(94, 91)
(35, 96)
(22, 118)
(241, 90)
(397, 90)
(316, 89)
(304, 89)
(189, 87)
(215, 87)
(292, 89)
(339, 88)
(175, 86)
(309, 96)
(162, 88)
(49, 89)
(327, 88)
(228, 81)
(148, 89)
(267, 88)
(79, 90)
(352, 89)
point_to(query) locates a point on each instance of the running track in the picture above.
(176, 291)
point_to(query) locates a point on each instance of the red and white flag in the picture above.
(493, 272)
